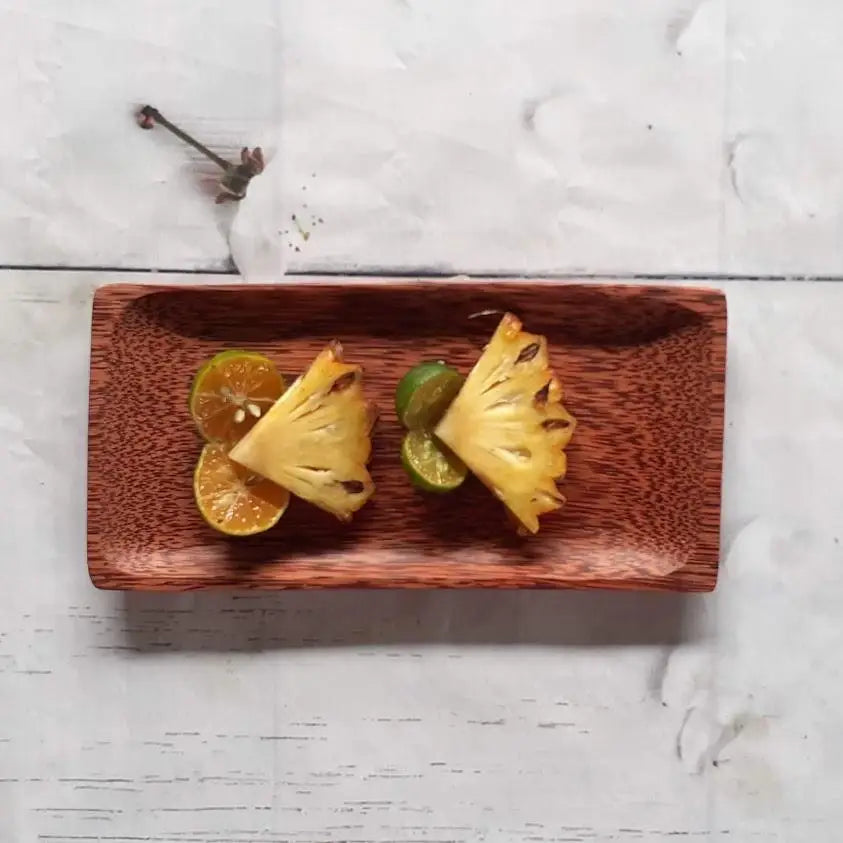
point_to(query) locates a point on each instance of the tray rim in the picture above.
(111, 299)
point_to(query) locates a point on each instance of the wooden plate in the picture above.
(643, 371)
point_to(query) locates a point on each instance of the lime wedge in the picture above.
(429, 464)
(425, 393)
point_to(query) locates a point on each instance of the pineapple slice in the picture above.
(508, 425)
(314, 441)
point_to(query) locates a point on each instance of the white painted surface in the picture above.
(541, 136)
(430, 716)
(544, 136)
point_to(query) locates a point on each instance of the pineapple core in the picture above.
(315, 440)
(508, 425)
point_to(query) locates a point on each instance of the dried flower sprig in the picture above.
(236, 177)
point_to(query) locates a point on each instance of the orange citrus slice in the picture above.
(231, 498)
(231, 392)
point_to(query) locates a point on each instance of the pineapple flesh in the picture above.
(508, 424)
(315, 440)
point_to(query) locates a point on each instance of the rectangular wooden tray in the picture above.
(643, 370)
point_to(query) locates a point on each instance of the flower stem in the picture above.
(150, 116)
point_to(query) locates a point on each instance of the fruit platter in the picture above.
(405, 434)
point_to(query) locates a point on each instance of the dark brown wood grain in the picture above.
(643, 370)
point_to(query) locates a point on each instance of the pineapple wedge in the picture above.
(315, 440)
(508, 425)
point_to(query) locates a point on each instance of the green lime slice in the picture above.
(429, 464)
(425, 393)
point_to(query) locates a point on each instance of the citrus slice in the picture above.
(230, 392)
(429, 464)
(231, 498)
(424, 394)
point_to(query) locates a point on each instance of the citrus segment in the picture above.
(429, 464)
(425, 393)
(231, 392)
(233, 499)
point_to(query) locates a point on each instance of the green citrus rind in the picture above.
(429, 465)
(425, 393)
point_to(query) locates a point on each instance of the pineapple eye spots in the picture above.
(528, 353)
(342, 383)
(556, 424)
(542, 395)
(544, 499)
(513, 455)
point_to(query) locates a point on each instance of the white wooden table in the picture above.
(672, 136)
(543, 137)
(430, 716)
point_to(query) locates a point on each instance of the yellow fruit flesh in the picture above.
(315, 440)
(508, 424)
